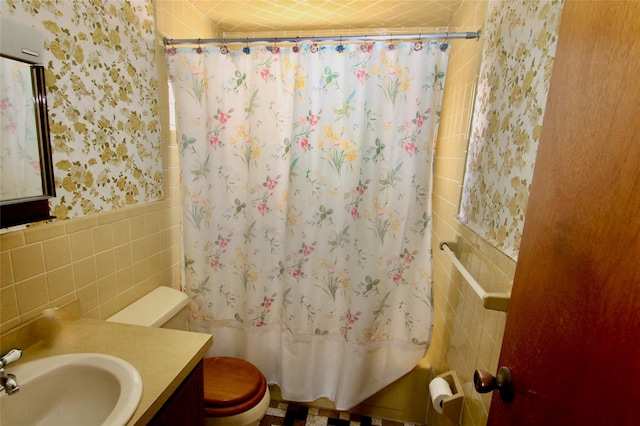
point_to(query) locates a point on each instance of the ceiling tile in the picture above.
(232, 16)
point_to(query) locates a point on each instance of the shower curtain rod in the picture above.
(364, 38)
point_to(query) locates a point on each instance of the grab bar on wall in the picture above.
(493, 301)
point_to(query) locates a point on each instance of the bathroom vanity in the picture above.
(168, 361)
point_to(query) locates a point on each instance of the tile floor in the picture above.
(288, 414)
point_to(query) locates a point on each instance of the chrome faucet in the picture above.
(8, 382)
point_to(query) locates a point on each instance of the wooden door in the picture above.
(572, 337)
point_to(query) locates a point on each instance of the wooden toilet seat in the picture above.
(231, 386)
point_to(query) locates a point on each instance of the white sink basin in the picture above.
(74, 389)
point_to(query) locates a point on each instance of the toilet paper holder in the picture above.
(452, 405)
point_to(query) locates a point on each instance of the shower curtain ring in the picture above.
(275, 49)
(199, 49)
(172, 49)
(296, 48)
(418, 44)
(391, 46)
(224, 49)
(364, 48)
(340, 47)
(444, 45)
(246, 50)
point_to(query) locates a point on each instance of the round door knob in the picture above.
(484, 382)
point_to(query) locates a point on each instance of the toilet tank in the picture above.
(163, 307)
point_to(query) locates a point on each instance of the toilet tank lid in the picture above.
(154, 309)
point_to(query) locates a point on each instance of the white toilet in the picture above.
(235, 391)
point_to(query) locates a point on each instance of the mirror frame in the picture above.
(23, 43)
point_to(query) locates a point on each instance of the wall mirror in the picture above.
(26, 169)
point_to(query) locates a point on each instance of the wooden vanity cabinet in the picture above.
(186, 405)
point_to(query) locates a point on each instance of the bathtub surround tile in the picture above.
(475, 333)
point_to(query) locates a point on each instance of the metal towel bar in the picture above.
(493, 301)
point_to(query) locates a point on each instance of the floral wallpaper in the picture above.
(519, 46)
(102, 85)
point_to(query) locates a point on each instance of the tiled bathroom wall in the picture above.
(464, 62)
(466, 336)
(106, 261)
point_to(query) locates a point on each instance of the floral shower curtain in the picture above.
(306, 184)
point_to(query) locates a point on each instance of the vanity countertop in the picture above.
(163, 357)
